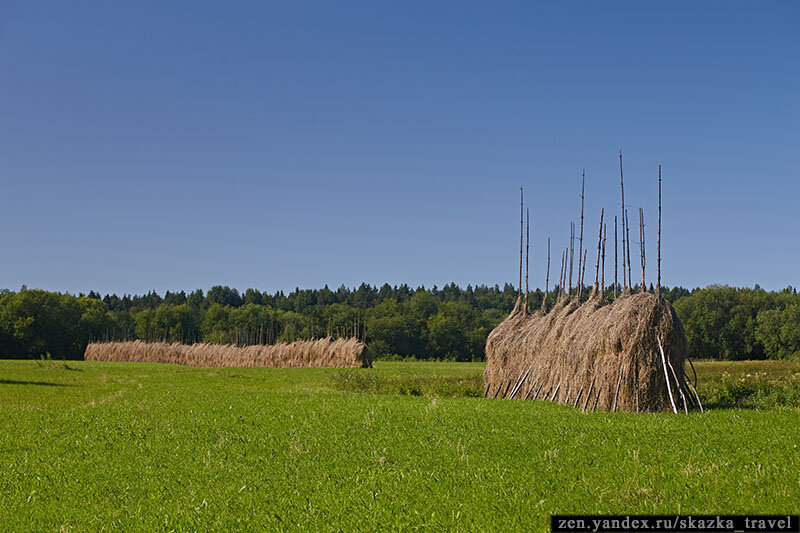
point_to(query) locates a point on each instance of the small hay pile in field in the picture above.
(593, 355)
(325, 352)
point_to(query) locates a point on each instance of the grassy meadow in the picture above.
(404, 446)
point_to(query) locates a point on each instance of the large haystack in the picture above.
(326, 352)
(593, 355)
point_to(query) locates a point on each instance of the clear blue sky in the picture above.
(179, 145)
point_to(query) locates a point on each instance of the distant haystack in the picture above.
(326, 352)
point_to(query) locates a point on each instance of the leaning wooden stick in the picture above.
(536, 394)
(531, 387)
(519, 383)
(578, 397)
(498, 389)
(666, 376)
(616, 392)
(596, 398)
(555, 392)
(678, 383)
(697, 396)
(588, 396)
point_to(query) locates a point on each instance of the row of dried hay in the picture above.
(327, 352)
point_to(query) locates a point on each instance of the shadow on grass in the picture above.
(43, 383)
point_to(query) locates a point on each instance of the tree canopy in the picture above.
(450, 322)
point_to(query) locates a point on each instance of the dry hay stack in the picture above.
(593, 355)
(326, 352)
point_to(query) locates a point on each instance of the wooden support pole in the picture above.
(561, 277)
(519, 291)
(505, 392)
(616, 392)
(530, 389)
(580, 240)
(603, 267)
(666, 375)
(566, 259)
(596, 398)
(678, 383)
(547, 277)
(628, 249)
(641, 246)
(622, 191)
(555, 392)
(588, 396)
(541, 386)
(599, 243)
(658, 260)
(615, 257)
(571, 255)
(583, 269)
(531, 385)
(697, 396)
(519, 384)
(498, 388)
(578, 397)
(527, 247)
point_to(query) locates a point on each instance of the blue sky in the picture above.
(177, 145)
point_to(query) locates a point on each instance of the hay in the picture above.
(323, 352)
(609, 350)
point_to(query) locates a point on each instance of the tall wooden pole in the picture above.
(658, 260)
(603, 266)
(622, 191)
(615, 257)
(561, 277)
(599, 243)
(519, 291)
(641, 245)
(583, 269)
(580, 240)
(628, 249)
(527, 247)
(571, 255)
(547, 277)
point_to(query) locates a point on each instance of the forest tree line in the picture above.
(450, 323)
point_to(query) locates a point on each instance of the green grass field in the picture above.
(127, 446)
